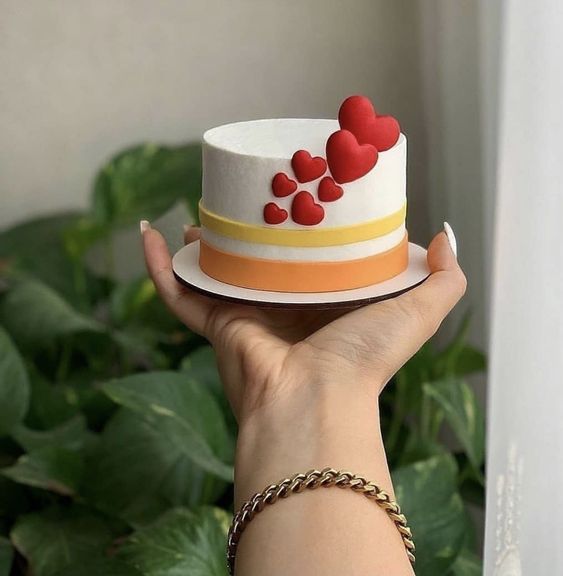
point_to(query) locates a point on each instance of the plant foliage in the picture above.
(116, 440)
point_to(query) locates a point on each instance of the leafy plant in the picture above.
(116, 440)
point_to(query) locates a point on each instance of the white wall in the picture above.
(80, 80)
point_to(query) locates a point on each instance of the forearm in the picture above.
(326, 531)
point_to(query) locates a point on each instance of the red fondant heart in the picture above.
(306, 167)
(359, 117)
(329, 191)
(304, 210)
(282, 185)
(347, 159)
(273, 214)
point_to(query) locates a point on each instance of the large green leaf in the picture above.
(52, 468)
(14, 385)
(201, 366)
(6, 557)
(72, 434)
(36, 247)
(145, 181)
(138, 471)
(55, 538)
(35, 314)
(104, 567)
(427, 494)
(463, 413)
(467, 564)
(185, 411)
(180, 543)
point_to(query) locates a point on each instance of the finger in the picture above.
(191, 308)
(191, 233)
(431, 302)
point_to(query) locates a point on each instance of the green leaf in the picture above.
(467, 564)
(36, 247)
(55, 538)
(145, 181)
(180, 543)
(6, 557)
(35, 314)
(427, 494)
(463, 414)
(459, 358)
(72, 434)
(137, 472)
(14, 385)
(185, 411)
(469, 360)
(104, 567)
(51, 404)
(53, 468)
(201, 365)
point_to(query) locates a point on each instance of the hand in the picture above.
(304, 387)
(268, 357)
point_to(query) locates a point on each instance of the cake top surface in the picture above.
(272, 138)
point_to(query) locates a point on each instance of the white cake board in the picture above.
(185, 264)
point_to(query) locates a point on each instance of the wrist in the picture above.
(318, 426)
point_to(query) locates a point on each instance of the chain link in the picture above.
(326, 478)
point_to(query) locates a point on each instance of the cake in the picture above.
(305, 205)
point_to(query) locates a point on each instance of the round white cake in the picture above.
(301, 205)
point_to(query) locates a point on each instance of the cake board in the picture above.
(185, 264)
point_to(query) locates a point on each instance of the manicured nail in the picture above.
(144, 225)
(451, 238)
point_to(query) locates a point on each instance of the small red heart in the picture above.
(273, 214)
(305, 211)
(329, 191)
(282, 185)
(306, 167)
(347, 159)
(359, 117)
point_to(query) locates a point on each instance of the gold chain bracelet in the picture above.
(313, 479)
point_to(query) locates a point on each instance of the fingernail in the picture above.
(187, 227)
(144, 225)
(451, 238)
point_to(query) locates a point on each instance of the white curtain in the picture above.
(524, 523)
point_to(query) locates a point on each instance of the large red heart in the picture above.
(282, 185)
(359, 117)
(304, 210)
(273, 214)
(306, 167)
(329, 191)
(347, 159)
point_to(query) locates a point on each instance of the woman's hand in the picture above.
(267, 356)
(304, 386)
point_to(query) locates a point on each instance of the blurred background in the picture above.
(115, 435)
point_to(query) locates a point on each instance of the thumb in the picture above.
(430, 303)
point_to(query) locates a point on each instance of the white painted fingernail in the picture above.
(451, 238)
(144, 225)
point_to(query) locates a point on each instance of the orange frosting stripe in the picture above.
(288, 276)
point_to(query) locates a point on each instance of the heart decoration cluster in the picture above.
(351, 153)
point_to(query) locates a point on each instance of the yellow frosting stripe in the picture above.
(335, 236)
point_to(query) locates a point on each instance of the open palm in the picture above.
(266, 355)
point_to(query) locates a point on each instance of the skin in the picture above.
(304, 387)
